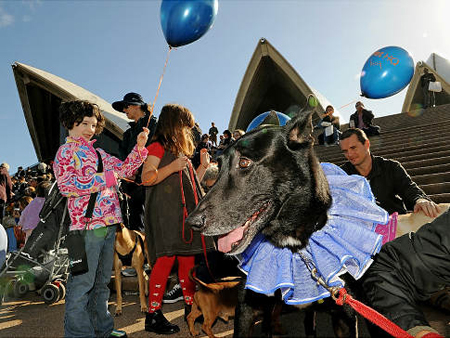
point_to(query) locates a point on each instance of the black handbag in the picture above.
(75, 244)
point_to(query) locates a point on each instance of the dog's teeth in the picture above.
(234, 245)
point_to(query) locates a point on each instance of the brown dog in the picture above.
(213, 300)
(130, 243)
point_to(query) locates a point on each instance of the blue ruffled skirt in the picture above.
(345, 244)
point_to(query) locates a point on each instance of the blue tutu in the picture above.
(346, 243)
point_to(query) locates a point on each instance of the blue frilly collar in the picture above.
(346, 243)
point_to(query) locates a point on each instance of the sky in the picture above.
(114, 47)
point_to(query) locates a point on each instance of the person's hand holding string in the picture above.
(142, 138)
(141, 141)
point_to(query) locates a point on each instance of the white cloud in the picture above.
(32, 4)
(26, 18)
(6, 19)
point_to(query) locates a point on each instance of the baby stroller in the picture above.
(43, 262)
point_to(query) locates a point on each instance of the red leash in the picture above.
(364, 310)
(183, 199)
(185, 212)
(370, 314)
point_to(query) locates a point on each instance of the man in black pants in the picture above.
(137, 110)
(408, 270)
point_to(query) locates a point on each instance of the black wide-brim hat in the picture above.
(133, 99)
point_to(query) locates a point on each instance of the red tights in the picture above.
(159, 275)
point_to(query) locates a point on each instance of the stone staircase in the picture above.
(420, 141)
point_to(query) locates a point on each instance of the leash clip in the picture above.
(333, 290)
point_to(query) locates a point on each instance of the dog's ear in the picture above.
(299, 130)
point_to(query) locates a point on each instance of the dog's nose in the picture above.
(196, 221)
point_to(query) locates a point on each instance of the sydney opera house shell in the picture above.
(269, 83)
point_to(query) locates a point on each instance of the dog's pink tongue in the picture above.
(225, 241)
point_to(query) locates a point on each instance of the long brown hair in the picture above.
(173, 130)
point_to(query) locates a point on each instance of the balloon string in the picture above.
(159, 85)
(345, 105)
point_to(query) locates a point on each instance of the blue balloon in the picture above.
(282, 118)
(186, 21)
(386, 72)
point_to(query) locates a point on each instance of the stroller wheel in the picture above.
(62, 291)
(20, 288)
(9, 288)
(50, 293)
(61, 288)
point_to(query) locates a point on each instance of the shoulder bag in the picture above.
(78, 263)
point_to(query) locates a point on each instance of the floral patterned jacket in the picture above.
(75, 168)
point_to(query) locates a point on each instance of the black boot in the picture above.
(187, 310)
(156, 322)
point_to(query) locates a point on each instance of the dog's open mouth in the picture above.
(241, 236)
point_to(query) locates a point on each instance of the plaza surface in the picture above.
(31, 317)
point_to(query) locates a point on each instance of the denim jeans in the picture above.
(12, 242)
(86, 313)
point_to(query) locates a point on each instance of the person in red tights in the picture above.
(172, 192)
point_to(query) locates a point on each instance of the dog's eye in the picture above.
(244, 162)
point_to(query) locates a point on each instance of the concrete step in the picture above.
(440, 198)
(428, 162)
(422, 157)
(430, 169)
(439, 126)
(438, 188)
(397, 121)
(431, 178)
(411, 152)
(418, 117)
(403, 159)
(334, 154)
(424, 137)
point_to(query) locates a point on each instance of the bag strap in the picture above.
(92, 199)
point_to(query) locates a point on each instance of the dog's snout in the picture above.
(197, 222)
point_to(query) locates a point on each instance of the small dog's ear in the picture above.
(299, 130)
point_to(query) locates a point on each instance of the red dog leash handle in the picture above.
(372, 315)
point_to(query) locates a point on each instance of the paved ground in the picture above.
(31, 317)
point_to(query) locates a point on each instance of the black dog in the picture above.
(270, 181)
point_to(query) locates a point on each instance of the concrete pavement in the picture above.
(31, 317)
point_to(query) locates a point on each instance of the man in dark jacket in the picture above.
(5, 187)
(429, 99)
(408, 270)
(391, 185)
(137, 110)
(363, 119)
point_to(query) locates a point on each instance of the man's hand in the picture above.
(429, 208)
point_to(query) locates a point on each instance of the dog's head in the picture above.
(271, 182)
